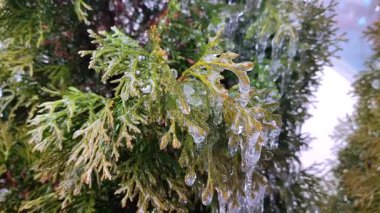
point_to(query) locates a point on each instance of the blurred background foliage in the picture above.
(358, 167)
(288, 41)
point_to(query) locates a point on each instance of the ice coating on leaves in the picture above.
(198, 134)
(209, 58)
(200, 83)
(237, 129)
(188, 90)
(183, 106)
(195, 100)
(147, 89)
(207, 195)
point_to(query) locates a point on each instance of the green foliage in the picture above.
(359, 160)
(290, 42)
(163, 123)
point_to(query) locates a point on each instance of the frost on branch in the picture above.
(163, 139)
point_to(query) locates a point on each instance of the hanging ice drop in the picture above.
(207, 196)
(190, 178)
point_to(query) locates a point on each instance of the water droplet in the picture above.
(147, 89)
(175, 73)
(18, 75)
(376, 84)
(190, 178)
(141, 57)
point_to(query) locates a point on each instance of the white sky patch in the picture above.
(332, 102)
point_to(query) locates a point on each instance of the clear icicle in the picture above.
(292, 49)
(222, 198)
(1, 92)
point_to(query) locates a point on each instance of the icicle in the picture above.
(1, 92)
(292, 49)
(222, 198)
(261, 46)
(190, 177)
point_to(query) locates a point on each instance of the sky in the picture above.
(333, 100)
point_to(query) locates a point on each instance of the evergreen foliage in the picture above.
(359, 161)
(168, 121)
